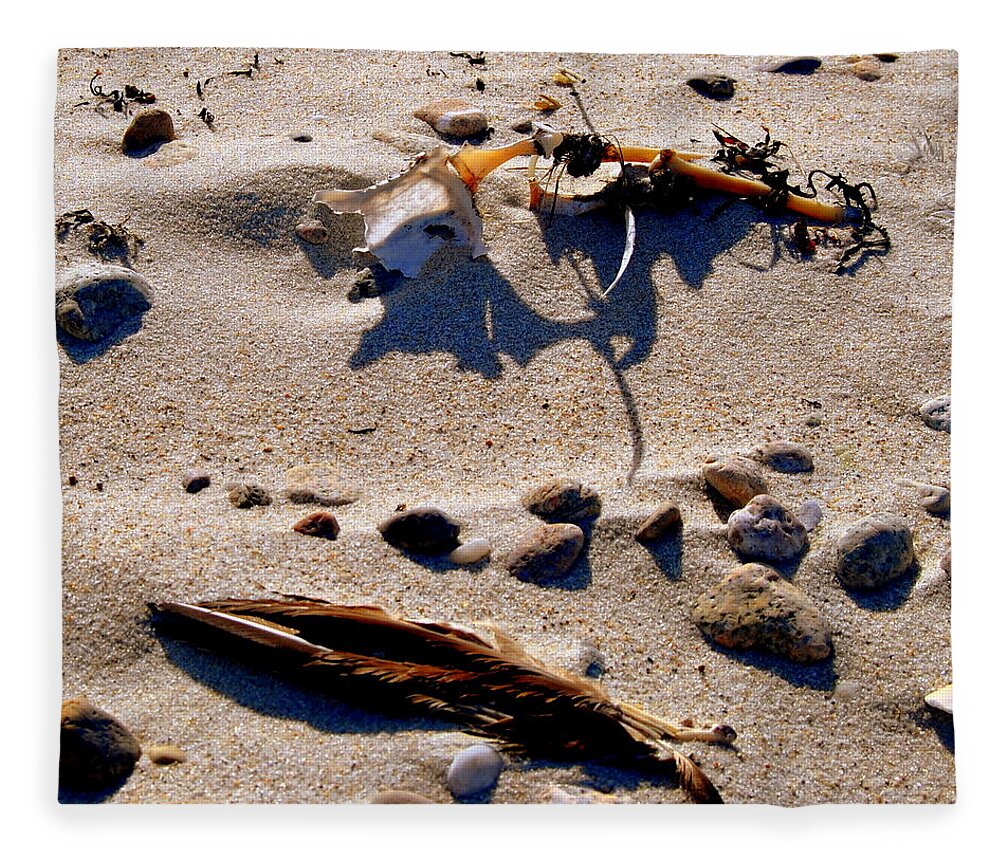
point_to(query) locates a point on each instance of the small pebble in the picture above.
(453, 117)
(578, 794)
(320, 524)
(473, 770)
(319, 484)
(98, 302)
(471, 551)
(932, 498)
(936, 413)
(313, 231)
(941, 699)
(562, 500)
(946, 562)
(717, 87)
(764, 530)
(796, 66)
(737, 479)
(547, 552)
(753, 607)
(196, 480)
(95, 750)
(810, 514)
(783, 456)
(886, 57)
(248, 494)
(844, 691)
(874, 551)
(524, 125)
(666, 518)
(813, 421)
(164, 754)
(424, 529)
(301, 137)
(867, 69)
(148, 128)
(587, 659)
(396, 795)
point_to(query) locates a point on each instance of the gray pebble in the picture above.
(423, 529)
(754, 608)
(874, 551)
(248, 494)
(666, 518)
(946, 562)
(737, 479)
(301, 137)
(936, 413)
(148, 128)
(96, 751)
(196, 480)
(932, 498)
(98, 302)
(810, 514)
(546, 553)
(474, 770)
(764, 530)
(562, 500)
(783, 456)
(319, 484)
(453, 117)
(313, 231)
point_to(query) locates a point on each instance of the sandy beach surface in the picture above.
(480, 379)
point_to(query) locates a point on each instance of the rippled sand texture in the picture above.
(471, 384)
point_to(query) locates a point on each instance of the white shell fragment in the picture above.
(411, 216)
(940, 699)
(471, 551)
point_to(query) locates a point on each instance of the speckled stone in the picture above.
(936, 413)
(783, 456)
(313, 231)
(423, 529)
(764, 530)
(874, 551)
(474, 770)
(196, 480)
(867, 69)
(248, 494)
(96, 301)
(562, 500)
(754, 608)
(96, 751)
(453, 117)
(319, 484)
(737, 479)
(545, 553)
(148, 128)
(664, 520)
(319, 524)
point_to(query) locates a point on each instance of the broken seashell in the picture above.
(411, 216)
(940, 699)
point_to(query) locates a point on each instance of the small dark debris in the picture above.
(480, 84)
(301, 137)
(196, 480)
(886, 57)
(718, 87)
(477, 59)
(796, 66)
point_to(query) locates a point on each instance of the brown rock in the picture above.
(737, 479)
(562, 500)
(96, 751)
(546, 553)
(320, 524)
(312, 231)
(164, 754)
(148, 127)
(666, 518)
(248, 494)
(867, 69)
(753, 607)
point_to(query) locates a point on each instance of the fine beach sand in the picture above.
(482, 378)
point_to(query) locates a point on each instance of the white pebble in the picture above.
(471, 551)
(473, 770)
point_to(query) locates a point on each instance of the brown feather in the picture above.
(492, 688)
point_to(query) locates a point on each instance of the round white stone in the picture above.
(473, 770)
